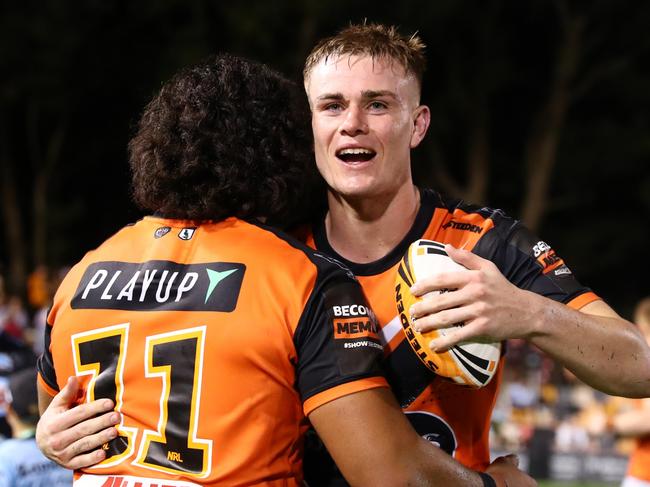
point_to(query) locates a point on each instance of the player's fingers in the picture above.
(454, 337)
(101, 425)
(92, 410)
(91, 442)
(85, 459)
(466, 258)
(433, 303)
(441, 280)
(54, 423)
(443, 319)
(66, 396)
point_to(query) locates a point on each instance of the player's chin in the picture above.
(355, 188)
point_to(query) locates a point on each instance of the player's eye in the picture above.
(377, 105)
(333, 107)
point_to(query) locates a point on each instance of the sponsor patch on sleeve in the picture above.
(355, 330)
(355, 322)
(548, 259)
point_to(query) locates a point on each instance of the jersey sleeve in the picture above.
(337, 342)
(45, 365)
(532, 264)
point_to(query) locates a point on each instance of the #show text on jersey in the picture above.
(158, 285)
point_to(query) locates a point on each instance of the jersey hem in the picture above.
(583, 300)
(46, 387)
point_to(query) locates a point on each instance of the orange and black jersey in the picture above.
(454, 417)
(215, 341)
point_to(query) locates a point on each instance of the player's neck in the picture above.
(366, 229)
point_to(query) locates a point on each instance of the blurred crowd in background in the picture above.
(22, 326)
(539, 397)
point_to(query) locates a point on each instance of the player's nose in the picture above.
(355, 122)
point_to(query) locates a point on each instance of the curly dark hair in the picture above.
(227, 137)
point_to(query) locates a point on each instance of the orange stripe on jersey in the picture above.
(342, 390)
(583, 300)
(45, 387)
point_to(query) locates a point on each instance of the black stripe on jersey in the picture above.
(407, 266)
(478, 361)
(406, 374)
(404, 276)
(481, 377)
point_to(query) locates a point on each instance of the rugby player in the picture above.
(363, 86)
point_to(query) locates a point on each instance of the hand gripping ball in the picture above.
(470, 364)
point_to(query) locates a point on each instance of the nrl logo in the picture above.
(161, 232)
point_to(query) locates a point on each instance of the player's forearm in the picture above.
(431, 466)
(605, 352)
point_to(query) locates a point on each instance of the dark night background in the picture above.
(541, 108)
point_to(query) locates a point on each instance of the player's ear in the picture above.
(421, 120)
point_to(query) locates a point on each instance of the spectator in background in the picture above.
(13, 317)
(636, 421)
(14, 354)
(43, 291)
(21, 462)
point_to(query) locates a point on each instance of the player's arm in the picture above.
(635, 422)
(598, 346)
(373, 443)
(73, 436)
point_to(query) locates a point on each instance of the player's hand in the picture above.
(72, 437)
(505, 472)
(492, 308)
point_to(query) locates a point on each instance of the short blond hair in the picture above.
(377, 41)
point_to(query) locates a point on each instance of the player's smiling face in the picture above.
(366, 120)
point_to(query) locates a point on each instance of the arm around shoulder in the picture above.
(373, 443)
